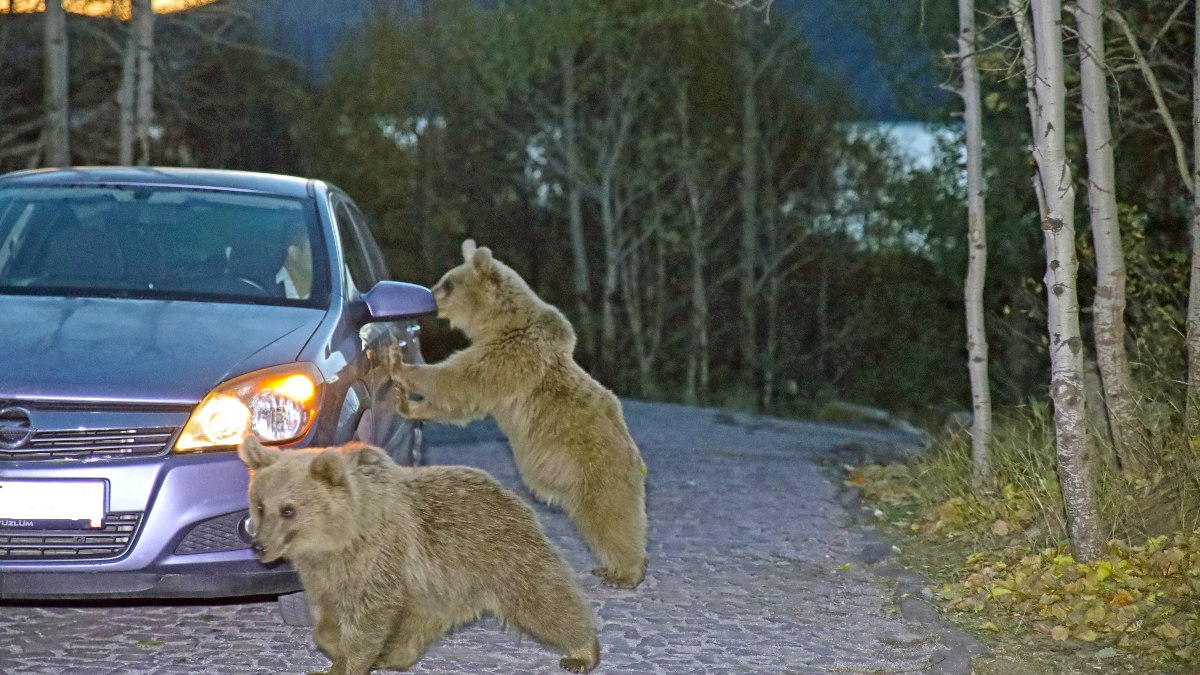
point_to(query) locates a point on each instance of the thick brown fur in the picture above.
(567, 431)
(391, 558)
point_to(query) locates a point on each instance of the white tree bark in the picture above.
(748, 257)
(57, 132)
(143, 23)
(125, 101)
(1066, 343)
(1108, 306)
(697, 201)
(135, 96)
(977, 347)
(580, 278)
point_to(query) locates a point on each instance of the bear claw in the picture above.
(576, 665)
(614, 580)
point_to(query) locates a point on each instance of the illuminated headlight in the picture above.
(277, 405)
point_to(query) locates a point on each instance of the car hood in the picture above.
(148, 351)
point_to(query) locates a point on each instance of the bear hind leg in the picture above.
(615, 532)
(558, 617)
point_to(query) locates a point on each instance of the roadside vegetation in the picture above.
(1000, 563)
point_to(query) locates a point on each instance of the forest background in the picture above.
(720, 218)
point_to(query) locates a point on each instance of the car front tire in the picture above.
(293, 609)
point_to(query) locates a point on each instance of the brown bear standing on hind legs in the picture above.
(391, 557)
(567, 432)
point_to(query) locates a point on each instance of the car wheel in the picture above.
(293, 609)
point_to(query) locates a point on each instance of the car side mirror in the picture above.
(394, 300)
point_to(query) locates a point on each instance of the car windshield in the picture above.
(161, 242)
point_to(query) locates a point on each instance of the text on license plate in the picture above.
(65, 504)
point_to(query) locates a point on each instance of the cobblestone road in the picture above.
(754, 568)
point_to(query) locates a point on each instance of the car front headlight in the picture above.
(277, 405)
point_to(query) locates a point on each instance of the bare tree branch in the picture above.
(1152, 82)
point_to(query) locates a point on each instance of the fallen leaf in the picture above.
(1060, 633)
(1000, 528)
(1106, 653)
(149, 644)
(1122, 598)
(1167, 631)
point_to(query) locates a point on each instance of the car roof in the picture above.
(288, 186)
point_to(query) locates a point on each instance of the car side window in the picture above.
(361, 274)
(374, 256)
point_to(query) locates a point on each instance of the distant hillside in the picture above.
(310, 30)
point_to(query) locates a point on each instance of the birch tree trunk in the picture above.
(1108, 307)
(57, 79)
(1192, 413)
(143, 24)
(135, 96)
(643, 290)
(697, 373)
(607, 361)
(580, 277)
(1066, 343)
(696, 377)
(977, 347)
(125, 100)
(772, 257)
(747, 273)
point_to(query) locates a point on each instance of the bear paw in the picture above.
(573, 664)
(403, 403)
(615, 579)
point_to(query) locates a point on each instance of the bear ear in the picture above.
(482, 259)
(255, 455)
(361, 454)
(327, 467)
(468, 250)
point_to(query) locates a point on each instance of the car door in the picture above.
(365, 266)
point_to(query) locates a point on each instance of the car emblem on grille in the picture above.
(15, 429)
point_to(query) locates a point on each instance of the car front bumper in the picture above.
(186, 541)
(211, 580)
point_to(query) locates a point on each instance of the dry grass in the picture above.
(1001, 561)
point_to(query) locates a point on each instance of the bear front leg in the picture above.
(361, 645)
(325, 630)
(449, 393)
(408, 643)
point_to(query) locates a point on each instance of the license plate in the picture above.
(49, 505)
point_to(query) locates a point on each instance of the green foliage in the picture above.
(492, 167)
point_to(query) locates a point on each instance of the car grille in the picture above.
(111, 541)
(92, 443)
(214, 535)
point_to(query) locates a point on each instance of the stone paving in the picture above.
(755, 567)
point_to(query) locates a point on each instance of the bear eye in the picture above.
(447, 286)
(259, 509)
(286, 511)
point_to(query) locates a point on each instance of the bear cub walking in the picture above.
(567, 432)
(391, 558)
